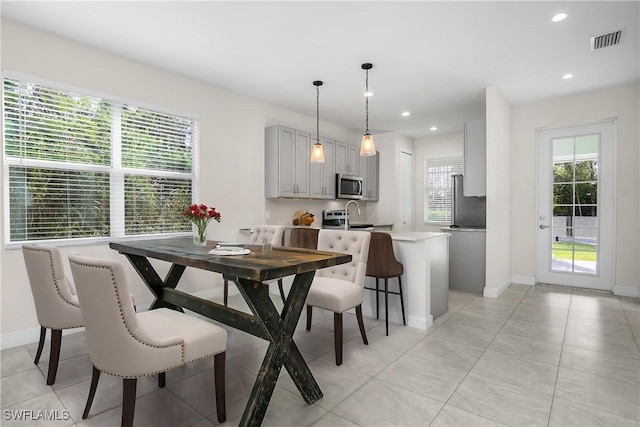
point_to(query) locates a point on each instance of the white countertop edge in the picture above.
(465, 229)
(414, 236)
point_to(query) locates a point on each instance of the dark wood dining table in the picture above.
(248, 272)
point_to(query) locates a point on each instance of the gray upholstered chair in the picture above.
(263, 234)
(341, 288)
(55, 299)
(127, 344)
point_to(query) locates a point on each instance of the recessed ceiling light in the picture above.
(368, 93)
(559, 17)
(567, 76)
(405, 114)
(433, 128)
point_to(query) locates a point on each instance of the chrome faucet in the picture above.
(346, 213)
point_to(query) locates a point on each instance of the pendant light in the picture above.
(367, 148)
(317, 152)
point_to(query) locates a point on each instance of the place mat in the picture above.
(230, 250)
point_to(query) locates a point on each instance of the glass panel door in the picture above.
(575, 205)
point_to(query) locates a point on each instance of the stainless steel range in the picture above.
(334, 219)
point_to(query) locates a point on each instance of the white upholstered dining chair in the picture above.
(55, 298)
(341, 288)
(263, 234)
(127, 344)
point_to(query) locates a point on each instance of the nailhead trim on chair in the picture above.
(55, 282)
(142, 342)
(113, 280)
(158, 372)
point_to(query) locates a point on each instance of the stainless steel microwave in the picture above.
(348, 186)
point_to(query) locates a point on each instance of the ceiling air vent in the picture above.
(606, 40)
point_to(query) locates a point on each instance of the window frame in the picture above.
(456, 162)
(115, 170)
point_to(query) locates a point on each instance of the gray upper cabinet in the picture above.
(287, 155)
(475, 158)
(322, 176)
(346, 158)
(289, 172)
(369, 168)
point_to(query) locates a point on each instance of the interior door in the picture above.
(406, 191)
(575, 205)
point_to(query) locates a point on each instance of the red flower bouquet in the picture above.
(200, 215)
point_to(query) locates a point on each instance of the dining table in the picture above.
(249, 272)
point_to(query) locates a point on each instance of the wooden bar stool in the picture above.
(382, 264)
(305, 238)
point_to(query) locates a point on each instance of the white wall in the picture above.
(231, 136)
(447, 145)
(498, 273)
(621, 103)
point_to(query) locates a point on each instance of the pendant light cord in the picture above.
(318, 113)
(366, 97)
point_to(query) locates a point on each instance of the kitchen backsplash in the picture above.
(280, 211)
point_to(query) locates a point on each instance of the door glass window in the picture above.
(574, 244)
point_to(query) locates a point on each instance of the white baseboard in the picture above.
(626, 291)
(523, 280)
(496, 292)
(420, 322)
(29, 336)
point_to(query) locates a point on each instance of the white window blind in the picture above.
(79, 166)
(438, 187)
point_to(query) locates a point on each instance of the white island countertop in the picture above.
(415, 236)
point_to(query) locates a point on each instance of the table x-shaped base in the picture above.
(266, 323)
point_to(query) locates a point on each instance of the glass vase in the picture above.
(200, 236)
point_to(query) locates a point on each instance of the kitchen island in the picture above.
(425, 256)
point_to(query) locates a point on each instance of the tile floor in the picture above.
(536, 356)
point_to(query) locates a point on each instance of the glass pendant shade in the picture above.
(367, 147)
(317, 153)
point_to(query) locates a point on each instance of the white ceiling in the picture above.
(433, 59)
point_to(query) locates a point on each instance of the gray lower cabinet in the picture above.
(322, 176)
(287, 160)
(467, 259)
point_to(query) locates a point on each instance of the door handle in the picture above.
(542, 226)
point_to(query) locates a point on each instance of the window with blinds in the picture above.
(79, 166)
(438, 187)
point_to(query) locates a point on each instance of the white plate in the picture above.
(230, 250)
